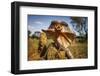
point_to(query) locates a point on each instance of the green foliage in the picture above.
(80, 24)
(34, 36)
(29, 32)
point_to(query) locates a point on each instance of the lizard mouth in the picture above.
(58, 28)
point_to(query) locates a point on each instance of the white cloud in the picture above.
(38, 22)
(33, 29)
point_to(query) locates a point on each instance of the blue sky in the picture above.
(38, 22)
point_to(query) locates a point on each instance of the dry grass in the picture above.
(33, 49)
(79, 50)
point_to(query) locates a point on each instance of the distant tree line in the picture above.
(35, 35)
